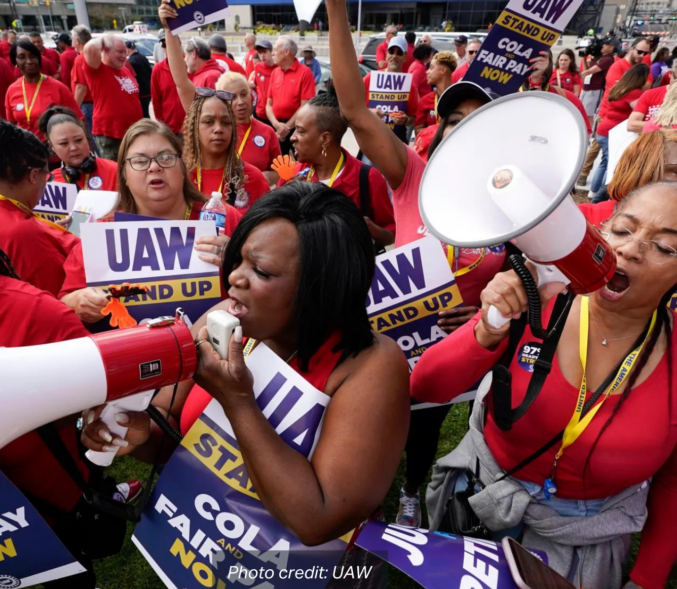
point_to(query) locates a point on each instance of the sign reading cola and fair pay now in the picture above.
(525, 28)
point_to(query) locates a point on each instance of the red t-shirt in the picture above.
(650, 102)
(36, 250)
(410, 58)
(420, 78)
(381, 52)
(32, 317)
(666, 79)
(207, 74)
(4, 52)
(51, 55)
(410, 227)
(289, 87)
(615, 73)
(566, 81)
(412, 104)
(262, 77)
(6, 80)
(67, 59)
(249, 62)
(638, 444)
(459, 72)
(348, 182)
(262, 145)
(576, 101)
(166, 103)
(617, 111)
(78, 77)
(599, 212)
(51, 92)
(105, 177)
(423, 141)
(116, 100)
(228, 64)
(426, 114)
(255, 186)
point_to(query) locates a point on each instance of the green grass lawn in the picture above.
(129, 570)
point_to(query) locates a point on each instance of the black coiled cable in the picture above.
(534, 311)
(163, 424)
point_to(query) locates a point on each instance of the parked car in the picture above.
(325, 66)
(441, 42)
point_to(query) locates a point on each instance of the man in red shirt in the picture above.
(291, 86)
(80, 37)
(382, 49)
(202, 69)
(219, 49)
(252, 51)
(67, 57)
(410, 38)
(397, 54)
(471, 51)
(419, 70)
(5, 46)
(50, 55)
(260, 81)
(441, 68)
(649, 104)
(166, 103)
(6, 80)
(116, 94)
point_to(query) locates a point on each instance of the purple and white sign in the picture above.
(197, 13)
(524, 28)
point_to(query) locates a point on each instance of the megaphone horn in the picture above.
(505, 174)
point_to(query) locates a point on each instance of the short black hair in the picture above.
(55, 115)
(26, 46)
(423, 52)
(329, 118)
(26, 152)
(336, 263)
(410, 37)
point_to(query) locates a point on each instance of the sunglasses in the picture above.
(642, 53)
(395, 51)
(472, 52)
(209, 92)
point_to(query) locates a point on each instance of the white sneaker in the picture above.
(409, 514)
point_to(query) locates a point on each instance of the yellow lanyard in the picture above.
(199, 179)
(188, 212)
(244, 140)
(577, 425)
(22, 207)
(29, 108)
(439, 120)
(467, 269)
(337, 169)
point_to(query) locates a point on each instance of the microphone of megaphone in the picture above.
(40, 384)
(505, 174)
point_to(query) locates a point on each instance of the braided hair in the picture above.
(6, 268)
(328, 118)
(26, 152)
(233, 171)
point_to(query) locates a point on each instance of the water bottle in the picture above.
(215, 210)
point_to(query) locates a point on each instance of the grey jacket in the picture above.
(600, 541)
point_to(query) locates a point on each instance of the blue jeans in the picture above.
(599, 180)
(87, 109)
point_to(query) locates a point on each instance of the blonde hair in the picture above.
(229, 78)
(447, 59)
(142, 128)
(234, 179)
(667, 115)
(643, 162)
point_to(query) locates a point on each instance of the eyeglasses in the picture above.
(471, 52)
(642, 53)
(395, 51)
(49, 177)
(209, 92)
(141, 163)
(656, 252)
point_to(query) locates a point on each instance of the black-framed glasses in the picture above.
(395, 51)
(642, 53)
(49, 177)
(209, 92)
(141, 163)
(472, 52)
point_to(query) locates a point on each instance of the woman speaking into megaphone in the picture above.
(598, 445)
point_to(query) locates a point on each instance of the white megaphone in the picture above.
(40, 384)
(505, 174)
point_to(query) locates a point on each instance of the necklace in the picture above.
(605, 340)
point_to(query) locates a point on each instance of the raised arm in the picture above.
(93, 51)
(177, 66)
(376, 140)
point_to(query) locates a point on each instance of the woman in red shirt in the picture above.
(67, 136)
(34, 93)
(631, 440)
(622, 99)
(153, 182)
(257, 143)
(566, 75)
(309, 310)
(210, 135)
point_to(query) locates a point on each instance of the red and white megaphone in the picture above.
(40, 384)
(506, 174)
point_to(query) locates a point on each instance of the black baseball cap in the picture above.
(264, 44)
(454, 95)
(64, 38)
(460, 40)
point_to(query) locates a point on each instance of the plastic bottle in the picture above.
(215, 210)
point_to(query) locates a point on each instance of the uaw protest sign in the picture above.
(525, 28)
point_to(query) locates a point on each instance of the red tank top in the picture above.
(320, 367)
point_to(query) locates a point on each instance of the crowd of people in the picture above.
(304, 221)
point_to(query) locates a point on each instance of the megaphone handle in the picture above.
(496, 318)
(138, 402)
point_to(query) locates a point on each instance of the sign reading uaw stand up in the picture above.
(197, 13)
(524, 29)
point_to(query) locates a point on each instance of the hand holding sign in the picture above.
(167, 12)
